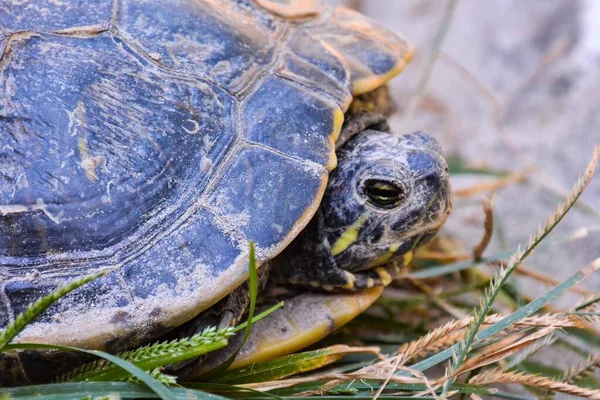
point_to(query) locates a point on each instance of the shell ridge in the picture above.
(237, 112)
(160, 68)
(116, 7)
(269, 68)
(301, 161)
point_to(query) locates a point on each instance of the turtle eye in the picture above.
(384, 194)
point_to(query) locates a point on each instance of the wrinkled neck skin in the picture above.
(353, 233)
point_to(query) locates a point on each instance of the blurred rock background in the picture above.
(516, 87)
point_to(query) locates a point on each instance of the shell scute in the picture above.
(195, 255)
(297, 69)
(363, 25)
(52, 15)
(303, 45)
(97, 143)
(371, 53)
(308, 61)
(228, 42)
(257, 180)
(107, 292)
(292, 120)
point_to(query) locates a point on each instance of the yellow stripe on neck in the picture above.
(385, 257)
(407, 258)
(348, 237)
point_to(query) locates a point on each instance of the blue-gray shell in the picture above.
(154, 139)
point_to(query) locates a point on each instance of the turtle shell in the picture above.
(153, 139)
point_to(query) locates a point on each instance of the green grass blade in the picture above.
(259, 316)
(253, 287)
(38, 307)
(511, 396)
(253, 292)
(588, 303)
(370, 386)
(419, 387)
(121, 390)
(155, 356)
(457, 165)
(161, 354)
(230, 391)
(286, 365)
(140, 374)
(507, 321)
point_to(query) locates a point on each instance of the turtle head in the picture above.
(389, 195)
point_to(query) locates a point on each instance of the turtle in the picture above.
(153, 140)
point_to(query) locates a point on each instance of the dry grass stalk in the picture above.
(503, 349)
(544, 320)
(425, 77)
(442, 344)
(321, 391)
(395, 366)
(590, 318)
(498, 106)
(531, 350)
(441, 256)
(388, 366)
(498, 343)
(488, 225)
(377, 372)
(583, 370)
(424, 344)
(355, 4)
(453, 331)
(497, 376)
